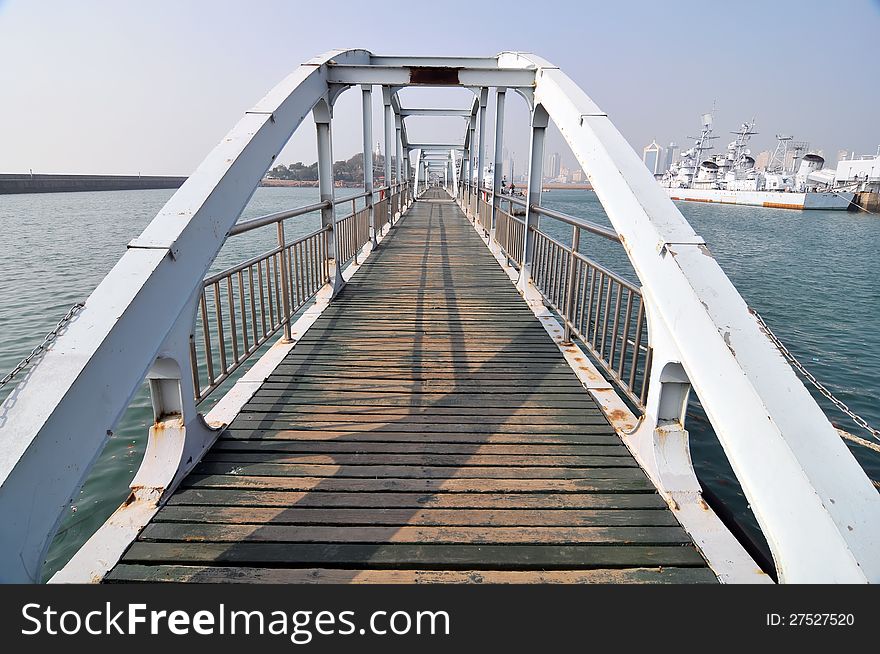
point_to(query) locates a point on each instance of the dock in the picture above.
(426, 428)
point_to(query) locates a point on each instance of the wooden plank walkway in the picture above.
(426, 429)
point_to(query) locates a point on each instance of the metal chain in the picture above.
(51, 336)
(797, 365)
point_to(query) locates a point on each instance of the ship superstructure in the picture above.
(794, 178)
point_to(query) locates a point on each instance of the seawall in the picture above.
(18, 183)
(869, 201)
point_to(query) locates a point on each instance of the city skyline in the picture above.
(102, 87)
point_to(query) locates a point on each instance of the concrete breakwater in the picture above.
(26, 183)
(868, 200)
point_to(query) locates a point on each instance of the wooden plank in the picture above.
(228, 574)
(620, 459)
(441, 500)
(450, 485)
(421, 517)
(536, 452)
(403, 555)
(589, 433)
(274, 533)
(513, 424)
(242, 468)
(281, 421)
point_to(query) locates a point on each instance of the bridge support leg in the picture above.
(178, 438)
(454, 173)
(472, 133)
(367, 100)
(390, 131)
(481, 153)
(322, 114)
(418, 171)
(499, 152)
(398, 141)
(540, 119)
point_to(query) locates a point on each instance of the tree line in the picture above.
(351, 170)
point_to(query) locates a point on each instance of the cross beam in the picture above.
(430, 76)
(434, 112)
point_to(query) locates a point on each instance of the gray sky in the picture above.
(124, 87)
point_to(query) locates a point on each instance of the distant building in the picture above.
(671, 156)
(652, 155)
(507, 164)
(577, 176)
(842, 155)
(563, 172)
(554, 164)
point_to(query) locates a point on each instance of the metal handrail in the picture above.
(595, 264)
(272, 218)
(245, 264)
(580, 223)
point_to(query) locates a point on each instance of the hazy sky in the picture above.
(124, 87)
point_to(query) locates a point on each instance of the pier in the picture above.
(39, 183)
(425, 427)
(433, 385)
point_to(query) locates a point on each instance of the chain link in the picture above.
(51, 336)
(797, 365)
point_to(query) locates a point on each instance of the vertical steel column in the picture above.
(484, 101)
(499, 150)
(540, 120)
(367, 97)
(322, 114)
(407, 178)
(418, 170)
(399, 144)
(453, 165)
(389, 147)
(472, 128)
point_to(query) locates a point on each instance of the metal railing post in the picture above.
(569, 292)
(285, 281)
(354, 218)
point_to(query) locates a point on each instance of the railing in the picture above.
(603, 310)
(599, 307)
(509, 232)
(484, 211)
(352, 232)
(242, 307)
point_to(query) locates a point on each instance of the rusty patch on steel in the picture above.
(617, 415)
(439, 75)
